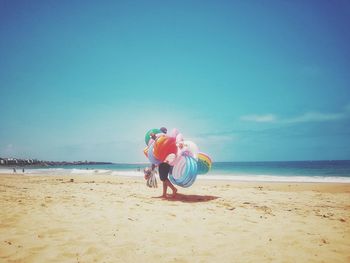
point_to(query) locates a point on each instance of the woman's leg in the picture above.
(165, 186)
(173, 188)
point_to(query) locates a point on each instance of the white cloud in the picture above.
(214, 139)
(305, 117)
(259, 118)
(315, 117)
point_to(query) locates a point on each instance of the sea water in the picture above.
(291, 171)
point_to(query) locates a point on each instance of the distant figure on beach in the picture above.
(14, 170)
(23, 170)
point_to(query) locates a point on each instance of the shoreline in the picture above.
(106, 218)
(215, 177)
(280, 185)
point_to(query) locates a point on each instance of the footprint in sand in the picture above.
(265, 209)
(324, 241)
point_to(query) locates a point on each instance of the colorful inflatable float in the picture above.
(183, 155)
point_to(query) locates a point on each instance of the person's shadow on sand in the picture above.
(191, 198)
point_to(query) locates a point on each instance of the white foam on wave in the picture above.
(91, 171)
(276, 178)
(75, 171)
(128, 173)
(35, 171)
(50, 171)
(107, 172)
(230, 177)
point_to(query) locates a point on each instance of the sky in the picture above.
(245, 80)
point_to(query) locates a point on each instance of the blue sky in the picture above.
(245, 80)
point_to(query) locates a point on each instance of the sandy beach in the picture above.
(94, 218)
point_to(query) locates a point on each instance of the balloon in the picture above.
(175, 160)
(184, 156)
(204, 163)
(184, 172)
(164, 146)
(179, 138)
(170, 159)
(164, 130)
(205, 158)
(190, 148)
(151, 141)
(174, 133)
(145, 151)
(177, 171)
(148, 134)
(151, 157)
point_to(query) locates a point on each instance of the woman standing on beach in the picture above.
(163, 167)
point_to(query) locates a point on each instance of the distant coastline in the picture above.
(16, 162)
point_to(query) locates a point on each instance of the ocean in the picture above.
(291, 171)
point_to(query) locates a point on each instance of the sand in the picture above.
(94, 218)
